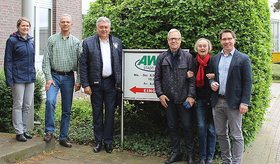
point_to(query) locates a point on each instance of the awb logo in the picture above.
(147, 63)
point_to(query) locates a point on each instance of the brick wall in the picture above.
(10, 11)
(74, 8)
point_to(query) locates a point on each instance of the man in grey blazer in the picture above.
(231, 96)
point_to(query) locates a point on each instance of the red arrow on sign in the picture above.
(142, 90)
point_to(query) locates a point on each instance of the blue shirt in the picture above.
(223, 70)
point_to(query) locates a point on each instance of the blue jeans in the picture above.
(65, 84)
(206, 130)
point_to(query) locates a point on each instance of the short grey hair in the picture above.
(66, 15)
(103, 19)
(173, 30)
(207, 40)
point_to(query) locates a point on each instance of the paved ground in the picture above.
(264, 150)
(266, 147)
(80, 154)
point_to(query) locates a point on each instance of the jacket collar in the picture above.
(16, 34)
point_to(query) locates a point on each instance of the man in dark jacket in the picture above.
(173, 88)
(100, 71)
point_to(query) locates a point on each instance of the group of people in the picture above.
(216, 88)
(68, 65)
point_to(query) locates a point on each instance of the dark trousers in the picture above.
(103, 128)
(176, 114)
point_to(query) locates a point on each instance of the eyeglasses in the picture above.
(175, 39)
(225, 39)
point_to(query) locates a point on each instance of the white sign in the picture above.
(138, 74)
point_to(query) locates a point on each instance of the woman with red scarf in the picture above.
(203, 110)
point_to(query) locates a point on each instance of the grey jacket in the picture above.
(171, 78)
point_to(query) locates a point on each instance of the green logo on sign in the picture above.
(147, 63)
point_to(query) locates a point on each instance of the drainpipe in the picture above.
(28, 12)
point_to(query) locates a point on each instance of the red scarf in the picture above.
(200, 73)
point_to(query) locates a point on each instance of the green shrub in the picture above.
(81, 121)
(145, 144)
(80, 130)
(6, 101)
(38, 94)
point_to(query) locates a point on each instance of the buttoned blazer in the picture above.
(239, 80)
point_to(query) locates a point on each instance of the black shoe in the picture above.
(108, 148)
(20, 138)
(65, 143)
(98, 147)
(48, 137)
(190, 160)
(27, 136)
(174, 158)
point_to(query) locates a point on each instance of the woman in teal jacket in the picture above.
(20, 75)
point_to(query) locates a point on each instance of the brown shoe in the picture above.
(48, 137)
(65, 143)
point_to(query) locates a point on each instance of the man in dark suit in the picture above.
(231, 97)
(100, 73)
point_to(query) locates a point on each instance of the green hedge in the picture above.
(6, 102)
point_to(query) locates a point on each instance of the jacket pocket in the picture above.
(182, 70)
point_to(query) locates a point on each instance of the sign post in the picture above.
(138, 70)
(138, 74)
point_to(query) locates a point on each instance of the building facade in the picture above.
(44, 17)
(275, 26)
